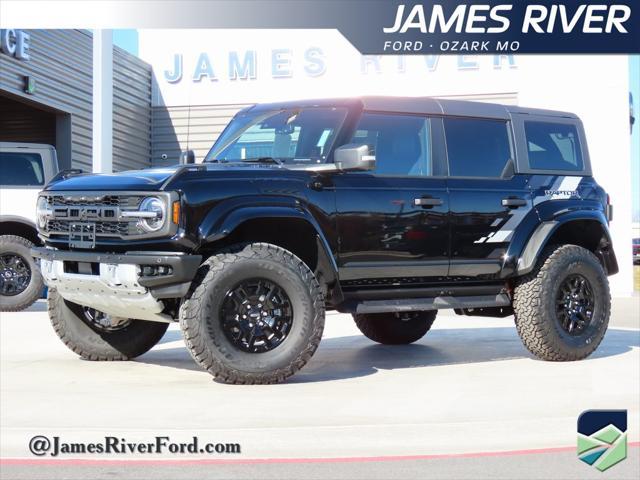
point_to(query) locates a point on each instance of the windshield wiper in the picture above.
(277, 161)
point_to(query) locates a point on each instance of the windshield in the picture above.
(303, 135)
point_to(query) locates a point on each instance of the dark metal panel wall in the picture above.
(61, 63)
(131, 111)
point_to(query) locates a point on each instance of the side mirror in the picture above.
(355, 157)
(187, 157)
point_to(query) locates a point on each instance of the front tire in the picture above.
(255, 315)
(85, 331)
(562, 308)
(20, 279)
(395, 328)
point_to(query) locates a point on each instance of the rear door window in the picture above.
(21, 169)
(553, 146)
(477, 147)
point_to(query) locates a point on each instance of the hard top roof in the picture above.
(419, 105)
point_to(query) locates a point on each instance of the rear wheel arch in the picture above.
(589, 232)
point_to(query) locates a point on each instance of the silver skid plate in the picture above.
(114, 291)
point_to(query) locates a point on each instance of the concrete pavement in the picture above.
(469, 386)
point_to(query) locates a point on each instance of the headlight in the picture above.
(43, 210)
(156, 212)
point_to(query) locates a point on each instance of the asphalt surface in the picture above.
(467, 401)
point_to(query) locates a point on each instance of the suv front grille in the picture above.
(103, 211)
(127, 202)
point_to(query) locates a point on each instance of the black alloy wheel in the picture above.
(15, 274)
(575, 304)
(256, 315)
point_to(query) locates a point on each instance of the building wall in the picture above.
(131, 111)
(178, 128)
(61, 63)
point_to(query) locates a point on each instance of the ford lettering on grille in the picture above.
(86, 213)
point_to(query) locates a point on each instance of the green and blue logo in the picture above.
(602, 437)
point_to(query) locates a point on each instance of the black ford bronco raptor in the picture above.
(385, 208)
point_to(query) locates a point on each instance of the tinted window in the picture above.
(476, 148)
(300, 135)
(553, 146)
(401, 144)
(21, 169)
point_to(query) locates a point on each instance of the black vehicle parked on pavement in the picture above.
(385, 208)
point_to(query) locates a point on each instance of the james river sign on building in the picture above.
(242, 66)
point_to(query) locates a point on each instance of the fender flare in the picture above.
(545, 230)
(16, 219)
(223, 219)
(25, 222)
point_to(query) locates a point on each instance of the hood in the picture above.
(155, 178)
(150, 179)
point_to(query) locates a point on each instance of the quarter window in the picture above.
(21, 169)
(477, 147)
(553, 146)
(400, 143)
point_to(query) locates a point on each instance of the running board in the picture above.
(435, 303)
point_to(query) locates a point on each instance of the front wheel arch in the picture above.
(20, 227)
(287, 229)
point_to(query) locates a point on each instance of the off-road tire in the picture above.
(21, 246)
(131, 341)
(202, 328)
(534, 305)
(391, 329)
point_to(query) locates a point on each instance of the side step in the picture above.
(434, 303)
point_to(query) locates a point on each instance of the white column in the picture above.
(102, 101)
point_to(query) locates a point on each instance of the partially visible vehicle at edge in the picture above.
(385, 208)
(24, 170)
(636, 251)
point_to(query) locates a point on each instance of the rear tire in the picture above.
(91, 342)
(395, 328)
(234, 341)
(16, 250)
(552, 320)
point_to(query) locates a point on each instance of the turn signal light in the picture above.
(176, 212)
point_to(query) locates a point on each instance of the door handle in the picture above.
(513, 202)
(427, 202)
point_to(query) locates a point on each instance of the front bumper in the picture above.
(130, 285)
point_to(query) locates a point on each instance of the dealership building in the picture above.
(46, 97)
(187, 84)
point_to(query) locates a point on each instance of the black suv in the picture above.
(385, 208)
